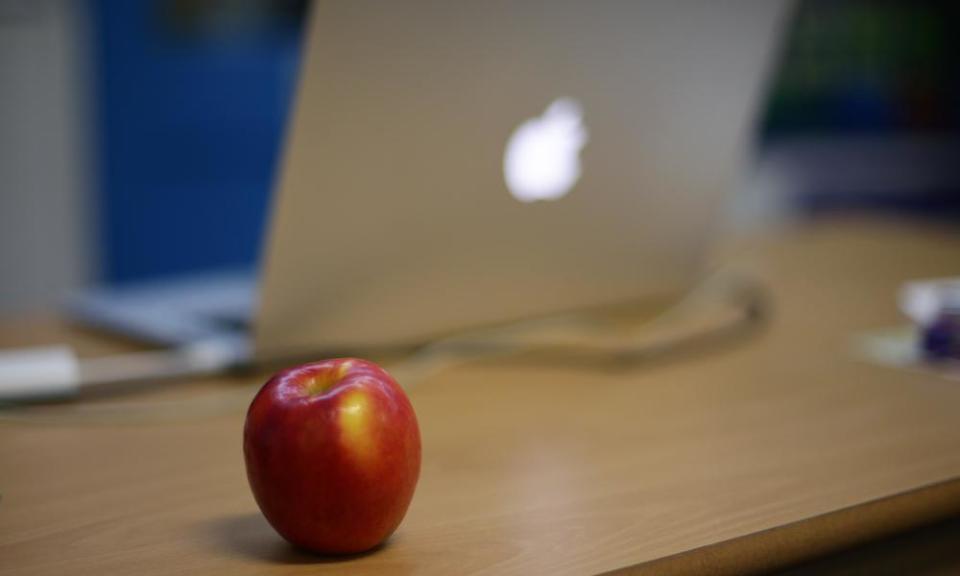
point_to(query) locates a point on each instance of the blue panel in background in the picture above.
(191, 100)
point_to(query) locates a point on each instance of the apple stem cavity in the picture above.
(321, 382)
(317, 385)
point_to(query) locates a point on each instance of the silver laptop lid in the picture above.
(454, 164)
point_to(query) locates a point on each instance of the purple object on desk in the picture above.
(941, 339)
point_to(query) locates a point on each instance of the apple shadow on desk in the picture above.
(250, 536)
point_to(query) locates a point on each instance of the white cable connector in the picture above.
(38, 373)
(32, 374)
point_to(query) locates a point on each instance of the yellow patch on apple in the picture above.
(356, 425)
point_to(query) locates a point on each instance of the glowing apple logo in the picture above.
(542, 159)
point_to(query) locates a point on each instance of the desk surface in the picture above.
(744, 458)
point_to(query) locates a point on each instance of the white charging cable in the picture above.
(35, 374)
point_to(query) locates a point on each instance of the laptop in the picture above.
(453, 165)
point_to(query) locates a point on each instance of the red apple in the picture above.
(333, 454)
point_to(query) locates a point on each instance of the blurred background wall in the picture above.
(47, 218)
(140, 138)
(191, 99)
(863, 114)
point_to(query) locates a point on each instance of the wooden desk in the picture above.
(746, 458)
